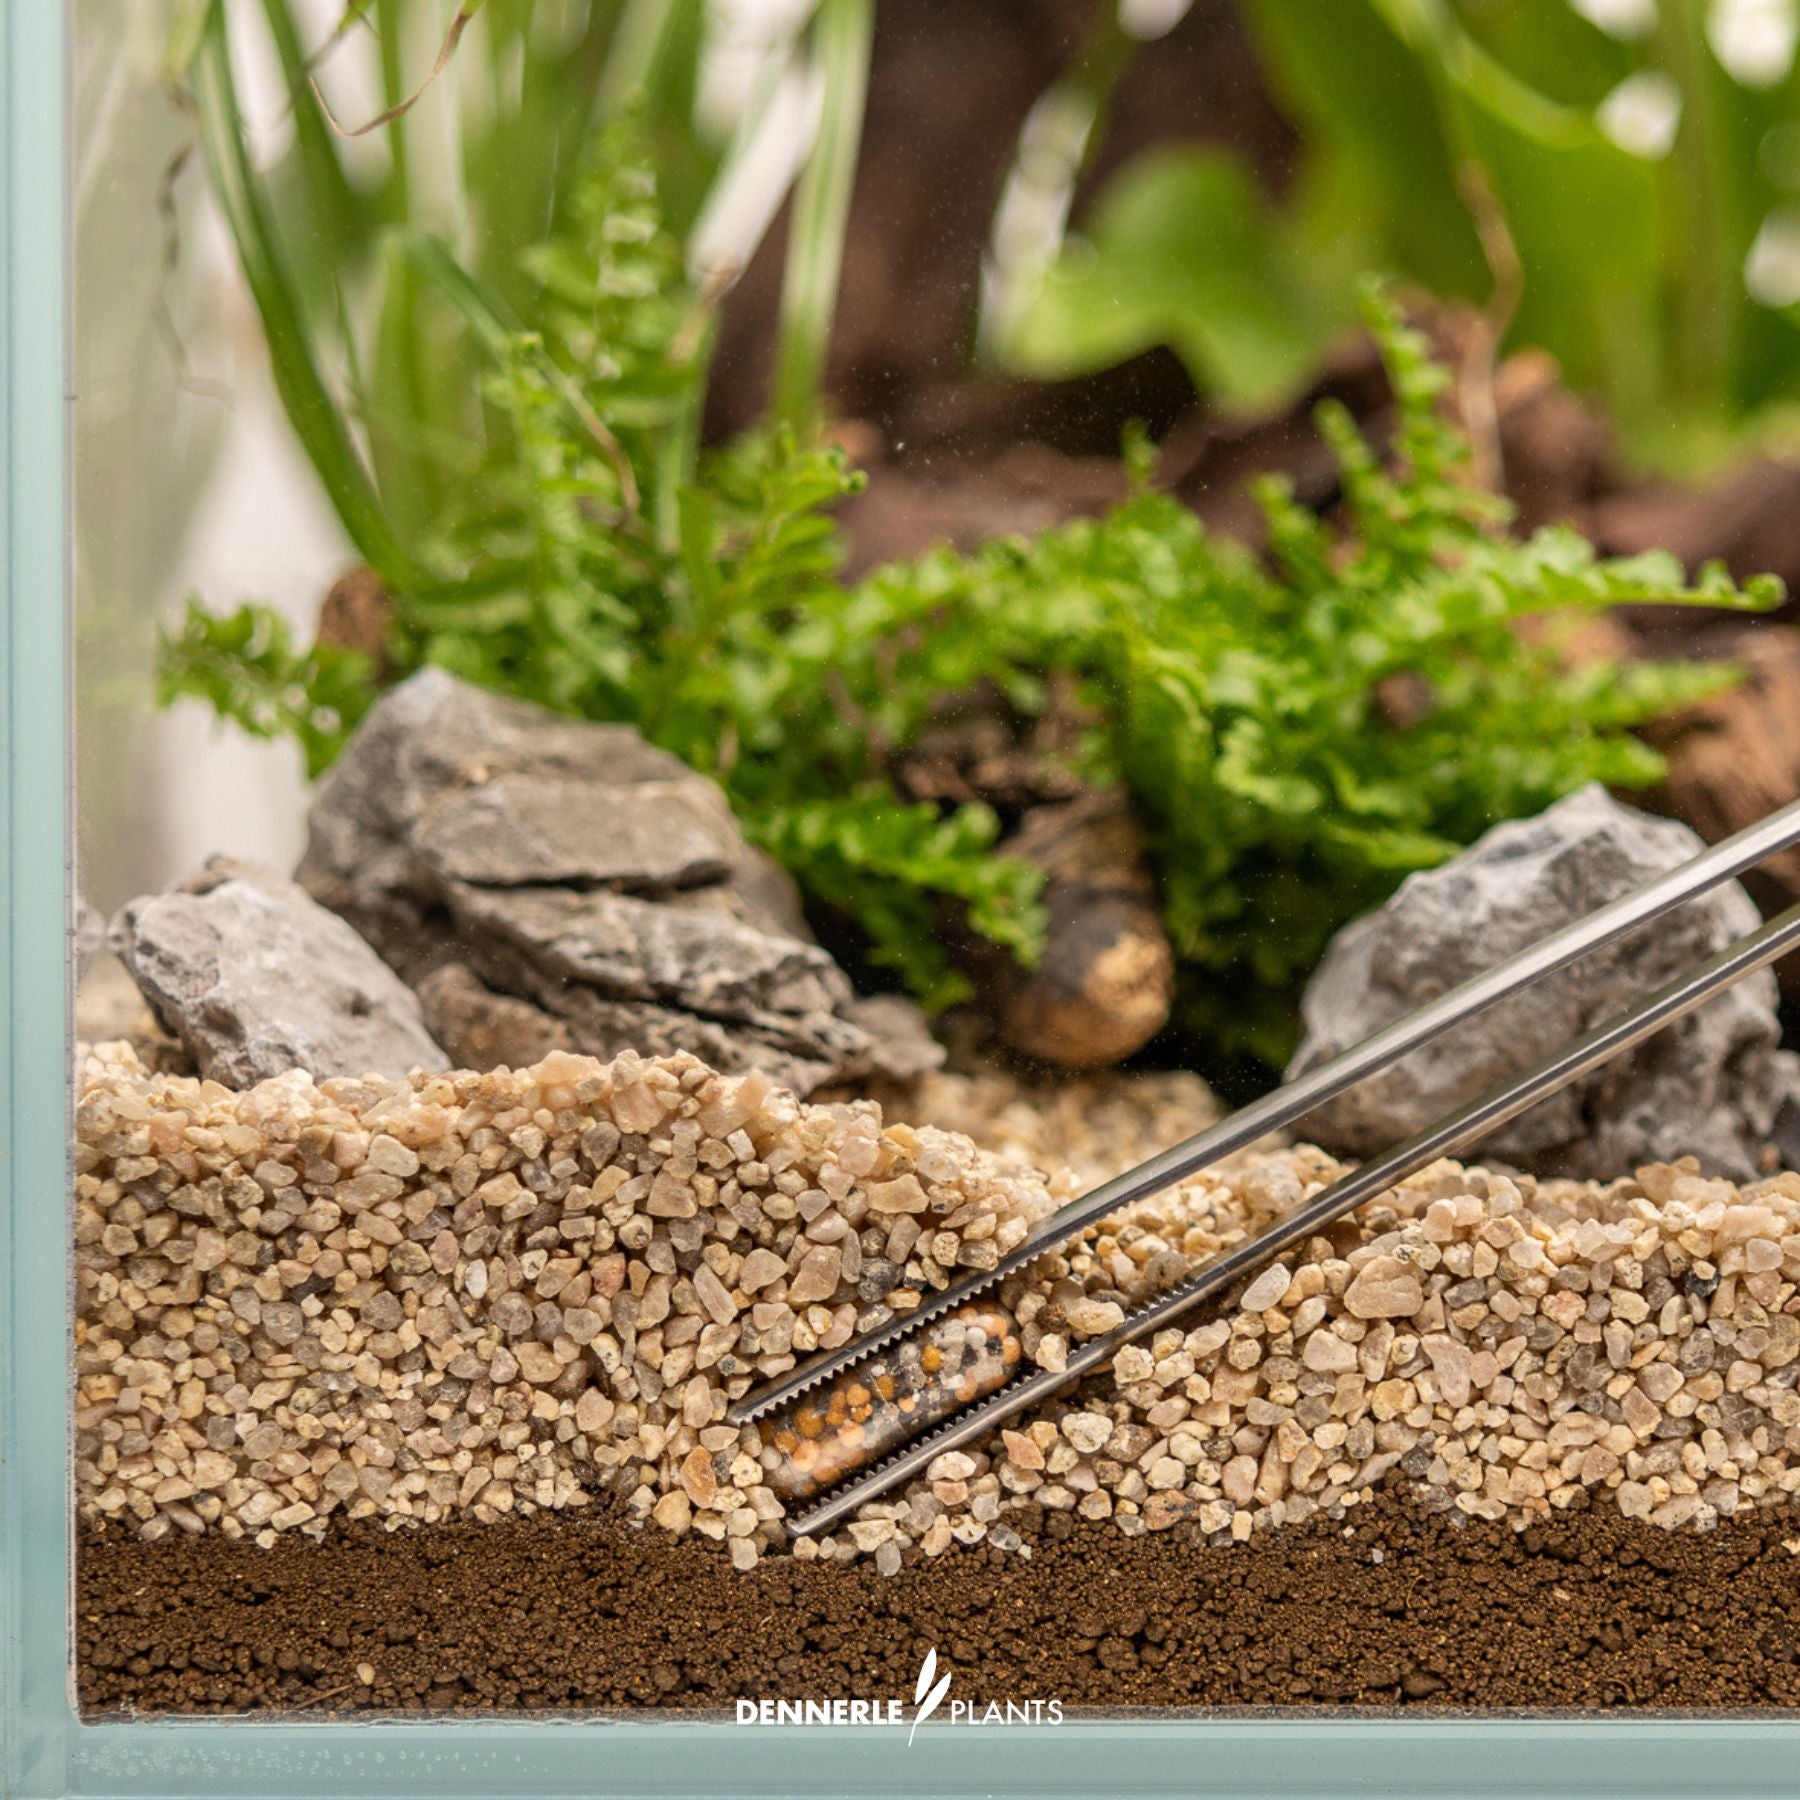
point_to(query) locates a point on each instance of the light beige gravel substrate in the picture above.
(485, 1293)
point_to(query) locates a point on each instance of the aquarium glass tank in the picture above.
(902, 896)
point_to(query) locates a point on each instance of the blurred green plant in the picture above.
(1625, 193)
(822, 212)
(488, 123)
(1184, 250)
(585, 557)
(1296, 735)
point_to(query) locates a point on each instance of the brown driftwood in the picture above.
(1745, 519)
(354, 616)
(1106, 981)
(1107, 978)
(1736, 756)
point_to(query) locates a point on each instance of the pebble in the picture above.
(1087, 1431)
(1384, 1288)
(1266, 1289)
(1092, 1318)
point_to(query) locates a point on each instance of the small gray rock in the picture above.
(901, 1047)
(483, 1029)
(256, 978)
(628, 948)
(524, 826)
(444, 782)
(1709, 1086)
(550, 883)
(878, 1277)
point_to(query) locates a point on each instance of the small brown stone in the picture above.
(902, 1195)
(537, 1362)
(817, 1276)
(1384, 1288)
(697, 1477)
(760, 1268)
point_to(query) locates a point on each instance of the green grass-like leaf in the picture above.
(317, 418)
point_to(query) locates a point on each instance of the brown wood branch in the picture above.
(1735, 757)
(1106, 980)
(355, 615)
(1481, 347)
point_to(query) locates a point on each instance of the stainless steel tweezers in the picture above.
(1457, 1131)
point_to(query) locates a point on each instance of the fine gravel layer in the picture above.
(1393, 1608)
(474, 1295)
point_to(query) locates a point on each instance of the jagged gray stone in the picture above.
(255, 977)
(549, 883)
(1709, 1086)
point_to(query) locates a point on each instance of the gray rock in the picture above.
(447, 782)
(482, 1028)
(901, 1045)
(545, 939)
(521, 826)
(255, 978)
(1709, 1086)
(549, 884)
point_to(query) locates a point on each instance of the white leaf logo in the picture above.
(926, 1697)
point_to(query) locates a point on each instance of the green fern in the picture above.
(247, 669)
(1246, 704)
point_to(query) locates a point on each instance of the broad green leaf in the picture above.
(1376, 165)
(1183, 251)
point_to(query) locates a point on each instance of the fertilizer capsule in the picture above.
(872, 1409)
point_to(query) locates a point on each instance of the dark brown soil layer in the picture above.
(562, 1612)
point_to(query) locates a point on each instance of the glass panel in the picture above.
(722, 657)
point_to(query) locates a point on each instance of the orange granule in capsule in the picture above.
(870, 1411)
